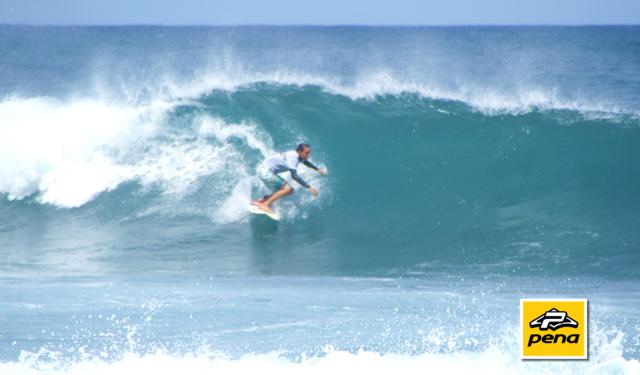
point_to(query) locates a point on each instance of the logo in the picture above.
(554, 329)
(553, 319)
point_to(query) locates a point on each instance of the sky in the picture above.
(325, 12)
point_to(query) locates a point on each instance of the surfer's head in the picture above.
(304, 150)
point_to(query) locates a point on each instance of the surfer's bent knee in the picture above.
(287, 189)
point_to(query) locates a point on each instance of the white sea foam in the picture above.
(62, 150)
(66, 153)
(492, 360)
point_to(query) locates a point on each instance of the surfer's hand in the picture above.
(322, 171)
(313, 191)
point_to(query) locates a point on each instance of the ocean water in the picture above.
(469, 167)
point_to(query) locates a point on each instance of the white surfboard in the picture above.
(258, 211)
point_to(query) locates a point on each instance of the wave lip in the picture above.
(378, 83)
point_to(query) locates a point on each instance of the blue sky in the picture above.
(326, 12)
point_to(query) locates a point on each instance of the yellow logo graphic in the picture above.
(554, 328)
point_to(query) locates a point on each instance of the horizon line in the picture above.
(317, 25)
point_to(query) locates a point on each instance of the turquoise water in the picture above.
(468, 167)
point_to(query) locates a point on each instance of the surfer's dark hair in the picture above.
(302, 146)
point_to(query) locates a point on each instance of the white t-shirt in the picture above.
(283, 162)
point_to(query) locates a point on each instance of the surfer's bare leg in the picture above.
(266, 205)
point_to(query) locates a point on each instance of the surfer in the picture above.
(270, 174)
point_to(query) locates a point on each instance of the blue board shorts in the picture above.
(271, 180)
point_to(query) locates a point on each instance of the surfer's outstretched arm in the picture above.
(312, 166)
(294, 175)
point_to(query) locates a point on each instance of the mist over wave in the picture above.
(495, 70)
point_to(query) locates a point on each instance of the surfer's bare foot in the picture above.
(265, 208)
